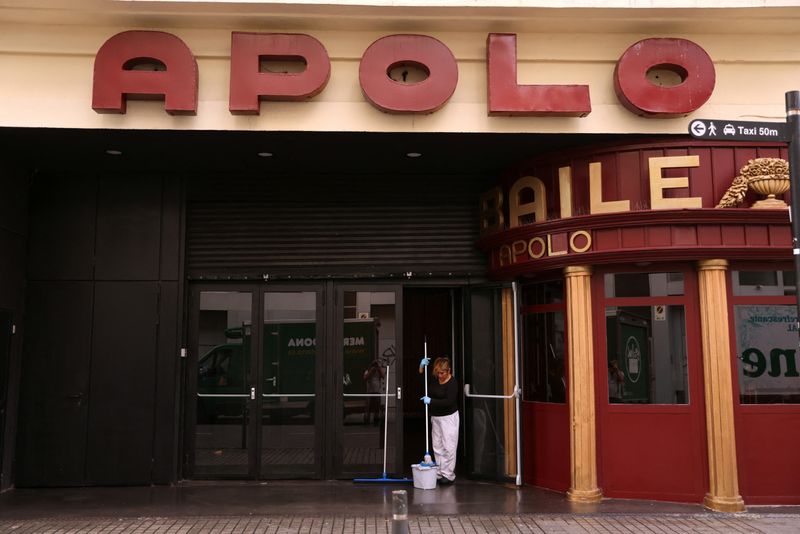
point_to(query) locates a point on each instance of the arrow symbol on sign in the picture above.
(697, 128)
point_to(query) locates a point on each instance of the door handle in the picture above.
(252, 393)
(399, 393)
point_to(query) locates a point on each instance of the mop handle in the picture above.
(425, 378)
(386, 421)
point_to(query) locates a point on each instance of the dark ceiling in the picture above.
(306, 152)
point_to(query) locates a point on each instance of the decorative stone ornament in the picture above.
(770, 177)
(765, 176)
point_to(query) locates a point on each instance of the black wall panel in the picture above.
(128, 228)
(14, 200)
(62, 227)
(14, 183)
(12, 269)
(171, 228)
(55, 385)
(123, 378)
(167, 388)
(120, 234)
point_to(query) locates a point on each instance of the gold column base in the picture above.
(723, 504)
(585, 496)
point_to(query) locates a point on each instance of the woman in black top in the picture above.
(443, 402)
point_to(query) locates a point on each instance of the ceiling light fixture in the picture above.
(413, 154)
(265, 154)
(113, 152)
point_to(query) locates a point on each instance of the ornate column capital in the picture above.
(712, 265)
(578, 270)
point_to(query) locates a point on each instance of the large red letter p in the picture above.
(249, 85)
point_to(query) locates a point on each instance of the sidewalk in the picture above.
(345, 507)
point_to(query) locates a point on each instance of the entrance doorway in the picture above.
(304, 394)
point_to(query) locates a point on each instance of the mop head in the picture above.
(427, 461)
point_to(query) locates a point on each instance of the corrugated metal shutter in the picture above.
(328, 225)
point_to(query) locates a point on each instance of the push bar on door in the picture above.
(514, 394)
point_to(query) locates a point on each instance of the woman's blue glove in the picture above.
(424, 362)
(426, 400)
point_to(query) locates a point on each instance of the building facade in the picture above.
(511, 184)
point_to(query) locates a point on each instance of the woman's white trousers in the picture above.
(444, 437)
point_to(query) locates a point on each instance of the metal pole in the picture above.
(399, 512)
(517, 392)
(793, 123)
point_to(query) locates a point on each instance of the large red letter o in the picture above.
(643, 98)
(424, 97)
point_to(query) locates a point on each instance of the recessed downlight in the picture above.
(413, 154)
(265, 154)
(113, 152)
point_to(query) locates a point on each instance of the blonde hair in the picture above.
(442, 364)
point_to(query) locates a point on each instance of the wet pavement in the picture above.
(344, 507)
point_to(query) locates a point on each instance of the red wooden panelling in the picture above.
(659, 236)
(606, 240)
(780, 235)
(733, 236)
(629, 169)
(756, 236)
(634, 238)
(684, 236)
(648, 455)
(546, 450)
(722, 165)
(769, 464)
(709, 236)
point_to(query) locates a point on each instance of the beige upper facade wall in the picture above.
(47, 51)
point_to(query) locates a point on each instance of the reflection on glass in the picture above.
(643, 284)
(763, 283)
(289, 356)
(369, 356)
(544, 293)
(647, 359)
(544, 357)
(766, 348)
(222, 388)
(489, 422)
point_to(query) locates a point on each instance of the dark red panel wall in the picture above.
(546, 450)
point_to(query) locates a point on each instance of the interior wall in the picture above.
(13, 239)
(97, 403)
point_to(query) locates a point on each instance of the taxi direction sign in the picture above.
(738, 130)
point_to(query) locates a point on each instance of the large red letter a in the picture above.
(115, 77)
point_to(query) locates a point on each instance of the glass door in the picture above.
(290, 362)
(491, 391)
(311, 392)
(368, 415)
(222, 392)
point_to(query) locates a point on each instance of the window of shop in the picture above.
(645, 322)
(765, 320)
(543, 335)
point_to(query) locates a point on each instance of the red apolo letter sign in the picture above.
(506, 97)
(249, 85)
(420, 50)
(115, 77)
(683, 57)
